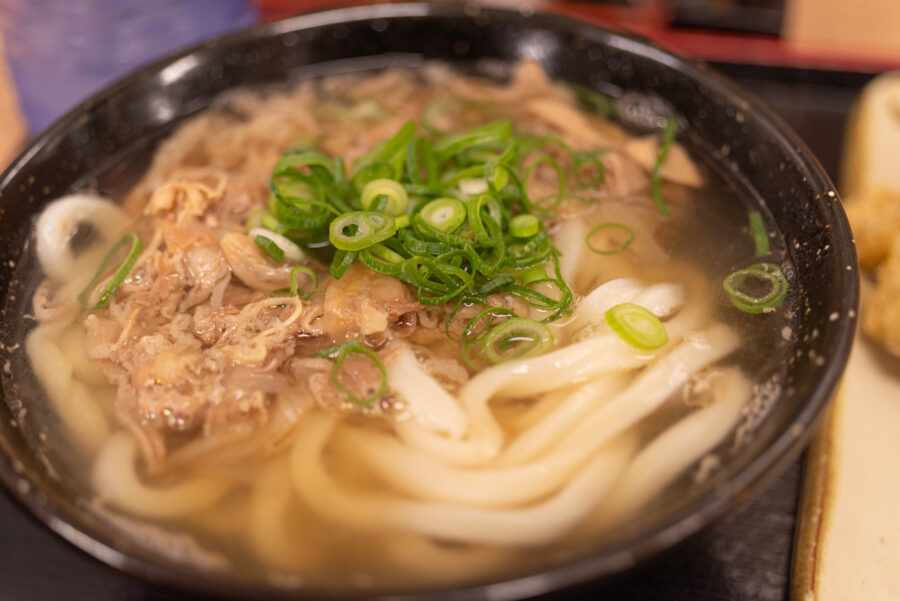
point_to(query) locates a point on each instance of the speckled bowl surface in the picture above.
(106, 142)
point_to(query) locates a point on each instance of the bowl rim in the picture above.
(759, 471)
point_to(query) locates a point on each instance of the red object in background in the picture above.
(652, 19)
(272, 10)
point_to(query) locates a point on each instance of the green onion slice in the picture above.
(637, 326)
(524, 226)
(668, 137)
(534, 275)
(295, 287)
(451, 144)
(382, 259)
(397, 199)
(758, 231)
(445, 214)
(360, 229)
(626, 233)
(118, 277)
(391, 152)
(340, 353)
(759, 288)
(255, 219)
(516, 338)
(269, 247)
(342, 261)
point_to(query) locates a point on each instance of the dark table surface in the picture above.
(744, 557)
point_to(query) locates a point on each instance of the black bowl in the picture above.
(107, 140)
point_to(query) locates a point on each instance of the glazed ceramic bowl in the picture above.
(107, 141)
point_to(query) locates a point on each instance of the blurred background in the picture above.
(59, 51)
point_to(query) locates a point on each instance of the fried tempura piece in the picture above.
(875, 220)
(881, 316)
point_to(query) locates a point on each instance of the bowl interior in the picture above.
(106, 143)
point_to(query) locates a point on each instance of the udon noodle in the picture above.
(201, 397)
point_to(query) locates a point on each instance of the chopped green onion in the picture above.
(397, 199)
(471, 333)
(615, 226)
(668, 137)
(294, 290)
(524, 226)
(535, 275)
(515, 338)
(118, 277)
(390, 152)
(489, 239)
(445, 214)
(255, 219)
(541, 301)
(360, 229)
(342, 261)
(637, 326)
(340, 353)
(595, 168)
(295, 287)
(492, 286)
(268, 246)
(382, 259)
(758, 231)
(452, 144)
(767, 277)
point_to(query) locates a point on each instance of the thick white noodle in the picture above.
(84, 419)
(569, 240)
(559, 422)
(652, 387)
(533, 525)
(58, 222)
(566, 366)
(117, 483)
(679, 447)
(428, 403)
(540, 409)
(426, 478)
(269, 507)
(661, 299)
(523, 526)
(430, 478)
(593, 307)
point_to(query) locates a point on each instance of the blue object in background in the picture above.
(61, 51)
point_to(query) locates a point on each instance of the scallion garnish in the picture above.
(340, 353)
(393, 191)
(117, 278)
(515, 338)
(758, 231)
(759, 288)
(445, 214)
(295, 287)
(626, 234)
(524, 226)
(268, 246)
(637, 326)
(360, 229)
(668, 137)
